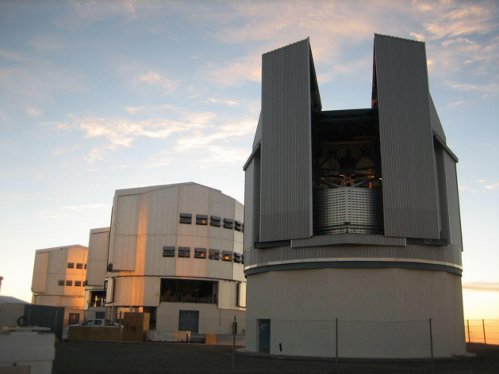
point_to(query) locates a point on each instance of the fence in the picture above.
(484, 331)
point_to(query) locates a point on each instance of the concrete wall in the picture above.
(382, 312)
(211, 319)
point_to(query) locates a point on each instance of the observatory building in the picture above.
(352, 238)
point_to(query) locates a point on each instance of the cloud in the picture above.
(153, 78)
(492, 187)
(246, 69)
(482, 185)
(47, 43)
(33, 112)
(481, 286)
(122, 132)
(189, 132)
(95, 154)
(227, 102)
(484, 89)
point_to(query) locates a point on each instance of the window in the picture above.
(186, 218)
(85, 283)
(238, 226)
(100, 315)
(215, 221)
(227, 256)
(85, 266)
(188, 291)
(238, 258)
(214, 254)
(199, 252)
(228, 223)
(71, 265)
(60, 282)
(77, 283)
(69, 283)
(184, 252)
(201, 219)
(168, 251)
(79, 265)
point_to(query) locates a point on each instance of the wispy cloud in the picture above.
(33, 112)
(481, 185)
(154, 78)
(121, 132)
(47, 43)
(227, 102)
(481, 286)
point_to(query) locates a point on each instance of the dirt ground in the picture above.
(106, 357)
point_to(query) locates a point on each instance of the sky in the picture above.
(102, 95)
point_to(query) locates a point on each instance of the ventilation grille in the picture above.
(347, 210)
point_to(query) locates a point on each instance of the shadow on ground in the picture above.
(106, 357)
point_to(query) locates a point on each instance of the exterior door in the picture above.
(74, 318)
(264, 335)
(188, 320)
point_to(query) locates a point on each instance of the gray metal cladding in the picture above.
(410, 202)
(286, 155)
(455, 235)
(435, 121)
(249, 176)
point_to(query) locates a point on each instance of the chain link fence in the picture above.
(484, 331)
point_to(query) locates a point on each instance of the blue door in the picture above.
(264, 335)
(188, 320)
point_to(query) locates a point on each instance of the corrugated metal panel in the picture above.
(435, 121)
(258, 133)
(455, 236)
(249, 198)
(286, 166)
(45, 316)
(410, 204)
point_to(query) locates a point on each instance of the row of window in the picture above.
(213, 254)
(215, 221)
(79, 265)
(70, 283)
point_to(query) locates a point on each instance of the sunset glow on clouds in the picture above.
(96, 96)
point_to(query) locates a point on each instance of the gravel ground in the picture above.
(107, 357)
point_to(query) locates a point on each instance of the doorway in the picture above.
(188, 320)
(264, 335)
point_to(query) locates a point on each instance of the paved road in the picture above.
(105, 357)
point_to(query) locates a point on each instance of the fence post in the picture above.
(484, 337)
(468, 325)
(234, 328)
(336, 345)
(431, 343)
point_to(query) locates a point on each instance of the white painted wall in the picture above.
(382, 312)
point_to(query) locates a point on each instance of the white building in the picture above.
(59, 280)
(175, 251)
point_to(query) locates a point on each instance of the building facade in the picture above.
(59, 280)
(175, 251)
(352, 227)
